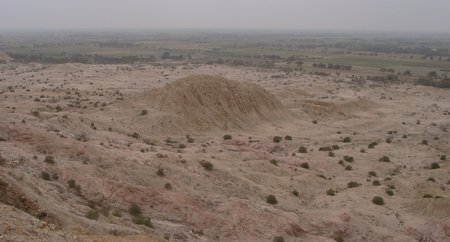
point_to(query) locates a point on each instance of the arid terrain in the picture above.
(216, 152)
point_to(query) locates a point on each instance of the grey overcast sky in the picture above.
(379, 15)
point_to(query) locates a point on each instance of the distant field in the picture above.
(380, 62)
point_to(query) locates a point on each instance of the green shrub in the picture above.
(277, 139)
(55, 176)
(227, 137)
(353, 184)
(330, 154)
(378, 200)
(190, 139)
(302, 149)
(372, 145)
(49, 160)
(331, 192)
(431, 179)
(427, 196)
(168, 186)
(45, 176)
(376, 183)
(339, 239)
(372, 173)
(117, 213)
(141, 220)
(443, 157)
(271, 199)
(295, 193)
(207, 165)
(71, 183)
(390, 192)
(348, 158)
(92, 214)
(288, 137)
(278, 239)
(305, 165)
(385, 159)
(348, 168)
(335, 147)
(2, 161)
(274, 162)
(160, 172)
(325, 148)
(435, 165)
(347, 140)
(144, 112)
(425, 142)
(134, 209)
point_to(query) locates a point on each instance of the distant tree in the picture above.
(165, 56)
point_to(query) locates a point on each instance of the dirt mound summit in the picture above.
(204, 102)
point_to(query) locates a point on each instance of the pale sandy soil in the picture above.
(90, 136)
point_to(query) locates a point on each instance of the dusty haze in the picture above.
(382, 15)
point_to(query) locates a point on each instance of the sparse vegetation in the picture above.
(49, 160)
(331, 192)
(160, 172)
(2, 161)
(372, 145)
(93, 214)
(274, 162)
(390, 192)
(305, 165)
(168, 186)
(134, 209)
(277, 139)
(376, 183)
(348, 158)
(271, 199)
(73, 185)
(278, 239)
(90, 119)
(141, 220)
(227, 137)
(378, 200)
(353, 184)
(435, 165)
(45, 176)
(385, 159)
(207, 165)
(302, 149)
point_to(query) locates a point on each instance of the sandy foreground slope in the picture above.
(122, 135)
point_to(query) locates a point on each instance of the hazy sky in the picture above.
(390, 15)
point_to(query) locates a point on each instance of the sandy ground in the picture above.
(90, 120)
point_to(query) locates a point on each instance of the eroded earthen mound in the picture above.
(205, 102)
(322, 109)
